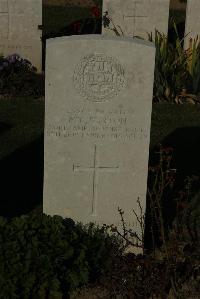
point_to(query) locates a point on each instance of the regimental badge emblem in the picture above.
(98, 77)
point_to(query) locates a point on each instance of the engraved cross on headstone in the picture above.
(4, 18)
(96, 168)
(134, 16)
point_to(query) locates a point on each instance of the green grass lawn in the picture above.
(21, 155)
(168, 117)
(22, 121)
(21, 151)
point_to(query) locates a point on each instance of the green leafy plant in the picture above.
(170, 76)
(45, 257)
(193, 64)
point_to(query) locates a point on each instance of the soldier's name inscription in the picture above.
(99, 123)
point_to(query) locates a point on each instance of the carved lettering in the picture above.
(98, 124)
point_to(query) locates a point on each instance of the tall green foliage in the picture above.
(170, 68)
(176, 70)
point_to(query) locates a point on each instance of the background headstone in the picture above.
(137, 17)
(19, 20)
(192, 24)
(97, 127)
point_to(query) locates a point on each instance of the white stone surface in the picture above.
(137, 17)
(19, 20)
(192, 24)
(97, 127)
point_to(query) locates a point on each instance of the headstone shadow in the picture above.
(186, 160)
(172, 36)
(21, 180)
(186, 152)
(4, 127)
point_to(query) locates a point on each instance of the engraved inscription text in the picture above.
(99, 123)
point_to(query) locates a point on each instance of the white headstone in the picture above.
(19, 20)
(192, 25)
(97, 127)
(137, 17)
